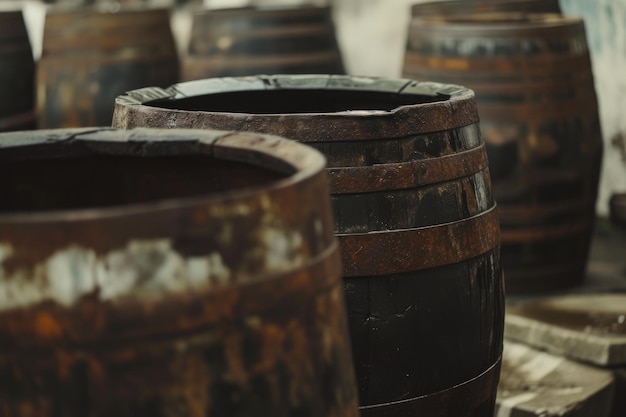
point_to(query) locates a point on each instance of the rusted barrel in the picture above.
(90, 56)
(257, 40)
(539, 117)
(169, 273)
(17, 74)
(414, 216)
(464, 7)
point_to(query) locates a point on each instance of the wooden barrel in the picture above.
(17, 74)
(169, 273)
(539, 118)
(90, 56)
(253, 40)
(414, 216)
(464, 7)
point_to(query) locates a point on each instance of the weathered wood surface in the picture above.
(534, 383)
(89, 57)
(413, 212)
(169, 273)
(464, 7)
(251, 40)
(538, 110)
(590, 328)
(17, 74)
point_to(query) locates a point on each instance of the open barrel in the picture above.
(414, 215)
(169, 273)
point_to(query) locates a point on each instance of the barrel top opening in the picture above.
(117, 171)
(339, 95)
(289, 105)
(292, 101)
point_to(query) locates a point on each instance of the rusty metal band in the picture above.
(407, 174)
(541, 65)
(404, 250)
(459, 400)
(17, 120)
(316, 276)
(548, 27)
(537, 234)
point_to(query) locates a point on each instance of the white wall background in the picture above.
(372, 35)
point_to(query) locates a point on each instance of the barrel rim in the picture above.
(457, 107)
(303, 162)
(218, 85)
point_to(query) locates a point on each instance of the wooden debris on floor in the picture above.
(589, 328)
(535, 383)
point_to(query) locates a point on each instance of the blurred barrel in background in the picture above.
(539, 117)
(414, 216)
(90, 56)
(251, 40)
(17, 74)
(169, 273)
(617, 209)
(464, 7)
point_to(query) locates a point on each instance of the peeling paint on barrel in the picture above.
(143, 269)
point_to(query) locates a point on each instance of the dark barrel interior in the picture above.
(297, 101)
(104, 180)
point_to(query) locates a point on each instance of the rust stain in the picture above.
(233, 353)
(273, 339)
(297, 353)
(47, 327)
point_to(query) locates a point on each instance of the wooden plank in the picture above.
(590, 328)
(534, 383)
